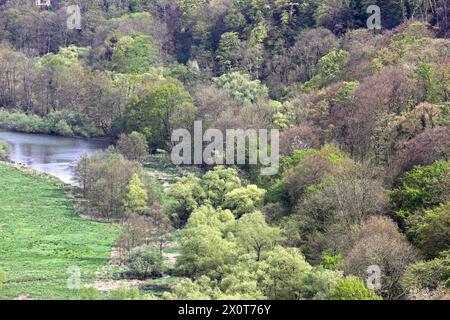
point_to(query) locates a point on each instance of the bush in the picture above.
(89, 293)
(133, 146)
(352, 288)
(63, 123)
(146, 261)
(4, 150)
(129, 294)
(63, 129)
(426, 275)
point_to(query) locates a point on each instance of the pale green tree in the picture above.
(254, 234)
(244, 200)
(136, 198)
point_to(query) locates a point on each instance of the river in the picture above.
(50, 154)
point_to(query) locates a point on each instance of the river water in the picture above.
(50, 154)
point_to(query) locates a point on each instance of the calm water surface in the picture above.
(50, 154)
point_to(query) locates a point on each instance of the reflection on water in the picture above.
(50, 154)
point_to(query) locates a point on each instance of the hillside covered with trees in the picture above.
(360, 206)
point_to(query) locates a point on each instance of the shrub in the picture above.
(89, 293)
(125, 294)
(129, 294)
(427, 275)
(352, 288)
(4, 150)
(133, 146)
(146, 261)
(63, 129)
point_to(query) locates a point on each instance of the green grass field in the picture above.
(41, 237)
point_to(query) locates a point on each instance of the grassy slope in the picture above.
(40, 237)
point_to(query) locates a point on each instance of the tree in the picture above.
(433, 233)
(187, 195)
(378, 242)
(206, 289)
(219, 182)
(283, 271)
(329, 69)
(424, 187)
(105, 177)
(319, 283)
(146, 261)
(136, 199)
(424, 149)
(229, 52)
(135, 232)
(336, 15)
(428, 275)
(205, 249)
(133, 53)
(352, 288)
(160, 226)
(133, 146)
(256, 235)
(244, 200)
(241, 87)
(162, 107)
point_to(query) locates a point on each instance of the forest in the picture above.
(360, 206)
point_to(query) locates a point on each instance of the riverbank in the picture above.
(62, 124)
(42, 238)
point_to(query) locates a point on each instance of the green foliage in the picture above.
(136, 200)
(124, 293)
(162, 107)
(244, 200)
(105, 181)
(146, 261)
(423, 187)
(319, 283)
(219, 182)
(331, 261)
(229, 52)
(284, 270)
(426, 274)
(133, 146)
(60, 123)
(256, 235)
(241, 87)
(63, 129)
(186, 195)
(205, 248)
(352, 288)
(5, 149)
(329, 69)
(89, 293)
(433, 233)
(134, 54)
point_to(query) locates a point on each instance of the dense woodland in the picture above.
(364, 117)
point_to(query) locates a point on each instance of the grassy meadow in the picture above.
(41, 237)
